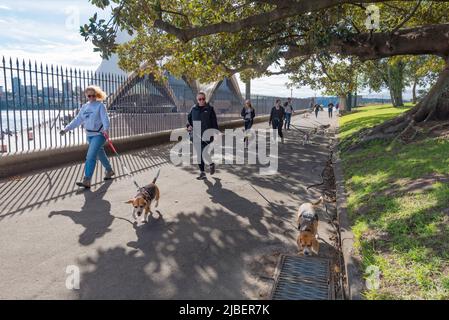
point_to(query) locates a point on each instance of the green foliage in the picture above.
(399, 210)
(334, 75)
(250, 50)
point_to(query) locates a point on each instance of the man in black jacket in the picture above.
(277, 118)
(205, 113)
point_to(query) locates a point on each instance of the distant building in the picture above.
(31, 89)
(175, 95)
(16, 85)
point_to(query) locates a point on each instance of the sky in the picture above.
(47, 31)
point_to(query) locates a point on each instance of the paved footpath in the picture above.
(213, 239)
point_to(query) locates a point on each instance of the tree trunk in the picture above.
(392, 98)
(396, 83)
(248, 90)
(414, 99)
(434, 106)
(349, 101)
(342, 103)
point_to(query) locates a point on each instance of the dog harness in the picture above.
(309, 218)
(148, 192)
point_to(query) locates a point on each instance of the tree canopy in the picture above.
(208, 39)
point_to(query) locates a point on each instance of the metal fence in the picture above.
(37, 101)
(263, 104)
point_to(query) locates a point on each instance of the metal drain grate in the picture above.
(301, 278)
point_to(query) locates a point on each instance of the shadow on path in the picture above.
(95, 215)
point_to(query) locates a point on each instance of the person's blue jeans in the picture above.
(288, 117)
(96, 151)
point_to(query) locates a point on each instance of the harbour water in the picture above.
(27, 130)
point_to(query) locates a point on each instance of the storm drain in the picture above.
(302, 278)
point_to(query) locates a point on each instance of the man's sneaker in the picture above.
(108, 175)
(85, 183)
(212, 168)
(202, 176)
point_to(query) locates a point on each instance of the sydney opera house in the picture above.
(147, 95)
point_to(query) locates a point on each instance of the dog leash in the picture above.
(123, 165)
(270, 204)
(300, 130)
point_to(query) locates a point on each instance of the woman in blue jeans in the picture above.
(94, 117)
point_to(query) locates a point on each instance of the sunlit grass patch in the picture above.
(399, 210)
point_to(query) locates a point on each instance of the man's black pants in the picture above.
(277, 124)
(204, 144)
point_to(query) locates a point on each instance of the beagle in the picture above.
(307, 223)
(142, 201)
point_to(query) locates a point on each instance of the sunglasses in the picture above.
(201, 99)
(91, 96)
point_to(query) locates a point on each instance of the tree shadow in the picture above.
(236, 204)
(37, 189)
(189, 257)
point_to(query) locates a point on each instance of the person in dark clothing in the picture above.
(248, 113)
(317, 108)
(288, 107)
(202, 111)
(277, 118)
(330, 106)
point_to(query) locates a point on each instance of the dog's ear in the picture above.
(130, 201)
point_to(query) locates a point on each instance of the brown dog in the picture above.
(307, 223)
(142, 201)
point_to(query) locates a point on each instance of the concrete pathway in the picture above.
(214, 239)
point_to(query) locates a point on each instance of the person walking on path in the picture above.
(94, 117)
(277, 117)
(202, 111)
(248, 113)
(317, 108)
(330, 106)
(288, 113)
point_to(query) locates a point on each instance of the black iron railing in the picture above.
(37, 101)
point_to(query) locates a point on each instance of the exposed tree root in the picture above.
(438, 126)
(406, 127)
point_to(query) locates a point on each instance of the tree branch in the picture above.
(431, 39)
(324, 69)
(285, 10)
(407, 18)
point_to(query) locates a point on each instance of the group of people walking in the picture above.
(95, 119)
(280, 116)
(330, 107)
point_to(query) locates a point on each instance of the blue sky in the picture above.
(48, 31)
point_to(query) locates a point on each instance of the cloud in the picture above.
(47, 41)
(276, 86)
(47, 31)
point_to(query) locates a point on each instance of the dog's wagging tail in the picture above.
(157, 175)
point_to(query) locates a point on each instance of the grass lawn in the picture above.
(399, 208)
